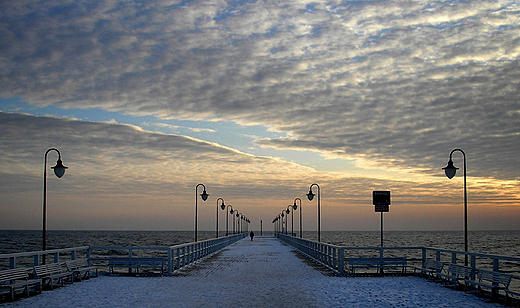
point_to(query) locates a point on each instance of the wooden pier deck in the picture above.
(260, 273)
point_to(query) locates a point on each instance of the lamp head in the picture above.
(223, 206)
(294, 207)
(237, 213)
(283, 215)
(288, 211)
(59, 169)
(310, 195)
(204, 195)
(450, 169)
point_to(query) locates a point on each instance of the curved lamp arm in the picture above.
(310, 196)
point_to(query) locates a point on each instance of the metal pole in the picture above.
(261, 230)
(465, 206)
(465, 213)
(319, 214)
(381, 229)
(300, 215)
(227, 217)
(292, 222)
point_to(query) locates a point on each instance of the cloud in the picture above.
(119, 174)
(396, 84)
(176, 128)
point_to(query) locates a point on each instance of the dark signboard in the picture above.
(381, 200)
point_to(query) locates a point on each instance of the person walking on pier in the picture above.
(251, 234)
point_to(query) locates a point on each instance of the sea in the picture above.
(505, 243)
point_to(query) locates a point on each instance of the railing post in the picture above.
(423, 256)
(88, 256)
(473, 264)
(341, 259)
(178, 258)
(170, 261)
(57, 257)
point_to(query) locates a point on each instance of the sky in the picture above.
(257, 100)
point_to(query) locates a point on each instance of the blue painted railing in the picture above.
(336, 257)
(177, 257)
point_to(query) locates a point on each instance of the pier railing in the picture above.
(336, 257)
(34, 258)
(176, 257)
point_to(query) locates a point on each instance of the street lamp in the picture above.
(59, 171)
(310, 196)
(227, 217)
(234, 225)
(283, 215)
(238, 222)
(450, 170)
(204, 197)
(222, 206)
(295, 207)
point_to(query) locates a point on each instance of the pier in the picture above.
(266, 272)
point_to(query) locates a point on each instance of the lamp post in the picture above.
(227, 217)
(234, 225)
(295, 207)
(310, 196)
(283, 215)
(59, 171)
(239, 229)
(204, 197)
(222, 206)
(450, 170)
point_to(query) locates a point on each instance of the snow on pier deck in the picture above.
(261, 273)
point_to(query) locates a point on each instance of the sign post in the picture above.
(381, 201)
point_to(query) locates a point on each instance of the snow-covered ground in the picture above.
(262, 273)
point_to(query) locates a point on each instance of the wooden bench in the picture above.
(137, 264)
(80, 269)
(17, 280)
(431, 268)
(510, 294)
(378, 263)
(494, 281)
(456, 274)
(53, 272)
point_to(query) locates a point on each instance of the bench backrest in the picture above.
(377, 261)
(494, 277)
(460, 270)
(434, 265)
(363, 261)
(75, 264)
(48, 269)
(13, 274)
(136, 261)
(392, 261)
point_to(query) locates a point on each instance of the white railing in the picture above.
(33, 258)
(177, 256)
(336, 257)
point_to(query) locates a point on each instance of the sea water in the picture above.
(506, 243)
